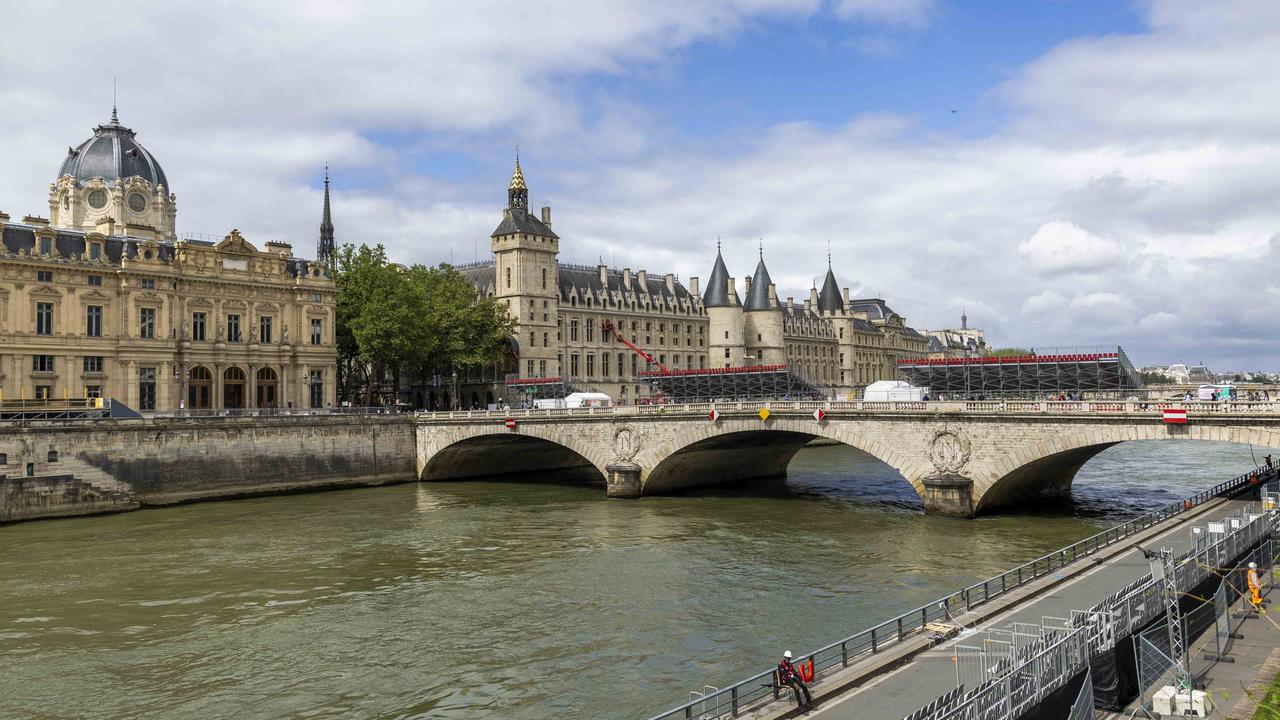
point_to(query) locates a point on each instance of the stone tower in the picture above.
(324, 249)
(763, 319)
(524, 251)
(832, 305)
(724, 313)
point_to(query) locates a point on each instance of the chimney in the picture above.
(693, 286)
(671, 283)
(35, 220)
(626, 278)
(642, 278)
(791, 303)
(746, 285)
(280, 248)
(808, 305)
(773, 295)
(732, 293)
(846, 296)
(106, 225)
(813, 297)
(4, 216)
(604, 269)
(546, 215)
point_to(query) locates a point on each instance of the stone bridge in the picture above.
(962, 458)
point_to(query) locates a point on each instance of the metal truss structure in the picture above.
(1101, 372)
(760, 382)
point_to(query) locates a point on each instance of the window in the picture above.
(93, 321)
(542, 368)
(317, 388)
(93, 363)
(95, 280)
(93, 391)
(530, 372)
(44, 276)
(726, 354)
(4, 458)
(573, 364)
(591, 365)
(317, 331)
(544, 340)
(53, 456)
(573, 331)
(591, 330)
(44, 318)
(622, 363)
(137, 202)
(146, 388)
(46, 246)
(508, 276)
(95, 251)
(44, 392)
(147, 284)
(264, 329)
(42, 363)
(198, 326)
(544, 278)
(146, 323)
(98, 199)
(633, 365)
(233, 328)
(604, 365)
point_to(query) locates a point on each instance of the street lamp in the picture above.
(457, 402)
(182, 376)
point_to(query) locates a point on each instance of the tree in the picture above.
(357, 272)
(1151, 377)
(1008, 352)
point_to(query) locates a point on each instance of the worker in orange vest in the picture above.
(1255, 587)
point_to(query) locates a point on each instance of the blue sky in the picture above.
(1106, 159)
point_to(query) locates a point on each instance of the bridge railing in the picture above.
(758, 689)
(1100, 407)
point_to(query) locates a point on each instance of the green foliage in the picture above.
(415, 318)
(1007, 352)
(1269, 708)
(1150, 377)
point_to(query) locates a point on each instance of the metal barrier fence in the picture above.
(1082, 708)
(1050, 663)
(758, 689)
(270, 412)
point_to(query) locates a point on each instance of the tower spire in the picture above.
(518, 191)
(115, 119)
(324, 250)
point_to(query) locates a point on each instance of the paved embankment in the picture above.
(920, 674)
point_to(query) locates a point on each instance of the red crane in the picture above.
(607, 327)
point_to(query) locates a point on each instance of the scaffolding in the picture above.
(758, 382)
(536, 388)
(1100, 372)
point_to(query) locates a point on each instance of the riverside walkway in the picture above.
(905, 671)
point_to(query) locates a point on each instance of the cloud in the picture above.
(1128, 198)
(1062, 247)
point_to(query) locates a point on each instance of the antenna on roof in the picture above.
(114, 117)
(761, 248)
(828, 253)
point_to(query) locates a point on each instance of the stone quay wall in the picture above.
(66, 469)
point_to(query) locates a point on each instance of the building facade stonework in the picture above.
(103, 299)
(564, 310)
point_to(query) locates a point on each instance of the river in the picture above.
(504, 600)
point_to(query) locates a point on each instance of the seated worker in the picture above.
(788, 677)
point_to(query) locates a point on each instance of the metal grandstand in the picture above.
(759, 382)
(1100, 372)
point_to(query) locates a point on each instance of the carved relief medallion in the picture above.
(949, 450)
(625, 445)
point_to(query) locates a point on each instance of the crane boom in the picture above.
(608, 327)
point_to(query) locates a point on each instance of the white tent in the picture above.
(890, 390)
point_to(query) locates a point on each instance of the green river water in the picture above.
(504, 600)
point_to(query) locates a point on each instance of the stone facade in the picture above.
(563, 308)
(91, 306)
(959, 463)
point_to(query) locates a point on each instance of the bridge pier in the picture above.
(948, 494)
(623, 480)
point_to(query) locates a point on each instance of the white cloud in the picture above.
(1132, 190)
(1062, 247)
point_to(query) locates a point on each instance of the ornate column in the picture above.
(216, 400)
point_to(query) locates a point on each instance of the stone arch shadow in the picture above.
(1047, 468)
(743, 450)
(501, 452)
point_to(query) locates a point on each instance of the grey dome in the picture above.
(112, 154)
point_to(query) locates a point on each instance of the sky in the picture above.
(1068, 172)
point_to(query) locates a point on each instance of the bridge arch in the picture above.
(1047, 467)
(463, 451)
(744, 449)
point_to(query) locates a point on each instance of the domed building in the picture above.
(102, 299)
(111, 175)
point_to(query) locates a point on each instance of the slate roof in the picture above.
(111, 154)
(519, 220)
(829, 298)
(584, 280)
(758, 295)
(717, 292)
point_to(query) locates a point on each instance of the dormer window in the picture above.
(46, 246)
(95, 251)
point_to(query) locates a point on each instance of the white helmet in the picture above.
(1253, 566)
(787, 654)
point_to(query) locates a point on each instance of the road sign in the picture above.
(819, 415)
(510, 423)
(1175, 416)
(714, 415)
(764, 414)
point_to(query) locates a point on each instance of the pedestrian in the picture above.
(788, 677)
(1255, 587)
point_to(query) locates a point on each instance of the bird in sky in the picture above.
(953, 111)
